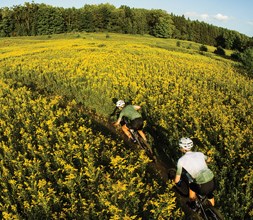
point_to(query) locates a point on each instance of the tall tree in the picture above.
(140, 21)
(30, 18)
(160, 24)
(72, 19)
(126, 19)
(18, 16)
(181, 30)
(247, 60)
(50, 20)
(6, 24)
(103, 16)
(88, 18)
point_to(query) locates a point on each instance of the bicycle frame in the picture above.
(199, 203)
(204, 208)
(142, 143)
(135, 136)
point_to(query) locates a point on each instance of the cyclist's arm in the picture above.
(178, 173)
(137, 107)
(119, 119)
(207, 159)
(177, 179)
(114, 111)
(117, 123)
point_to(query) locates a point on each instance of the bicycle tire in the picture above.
(213, 213)
(145, 146)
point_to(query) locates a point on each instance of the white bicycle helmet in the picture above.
(120, 103)
(186, 143)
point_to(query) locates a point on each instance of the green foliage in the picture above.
(236, 56)
(160, 24)
(48, 141)
(55, 166)
(49, 21)
(247, 60)
(40, 19)
(189, 46)
(220, 51)
(203, 48)
(6, 24)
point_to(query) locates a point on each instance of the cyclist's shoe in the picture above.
(207, 203)
(192, 205)
(132, 140)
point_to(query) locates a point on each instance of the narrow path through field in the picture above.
(161, 165)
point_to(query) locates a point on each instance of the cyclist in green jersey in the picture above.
(201, 177)
(134, 117)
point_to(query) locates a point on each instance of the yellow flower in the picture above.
(42, 183)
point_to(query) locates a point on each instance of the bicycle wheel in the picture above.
(213, 213)
(145, 145)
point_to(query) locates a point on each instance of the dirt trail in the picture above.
(161, 165)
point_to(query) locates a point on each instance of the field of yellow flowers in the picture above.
(55, 165)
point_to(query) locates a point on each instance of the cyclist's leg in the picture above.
(193, 190)
(126, 131)
(207, 189)
(192, 200)
(210, 195)
(142, 135)
(137, 124)
(212, 201)
(192, 195)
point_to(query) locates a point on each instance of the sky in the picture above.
(231, 14)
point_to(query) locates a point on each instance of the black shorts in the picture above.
(136, 124)
(205, 189)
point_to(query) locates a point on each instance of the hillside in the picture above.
(59, 154)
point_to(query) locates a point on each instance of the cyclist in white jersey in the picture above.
(195, 165)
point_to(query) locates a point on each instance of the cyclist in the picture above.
(134, 117)
(195, 165)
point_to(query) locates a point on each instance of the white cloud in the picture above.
(204, 16)
(221, 17)
(208, 18)
(191, 14)
(250, 23)
(195, 15)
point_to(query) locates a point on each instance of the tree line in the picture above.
(34, 19)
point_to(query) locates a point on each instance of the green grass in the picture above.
(101, 40)
(167, 44)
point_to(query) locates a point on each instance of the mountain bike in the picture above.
(136, 137)
(206, 210)
(203, 208)
(142, 143)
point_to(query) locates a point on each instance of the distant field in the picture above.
(169, 44)
(47, 141)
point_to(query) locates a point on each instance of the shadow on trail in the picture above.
(165, 153)
(164, 162)
(157, 135)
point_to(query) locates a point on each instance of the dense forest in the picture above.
(33, 19)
